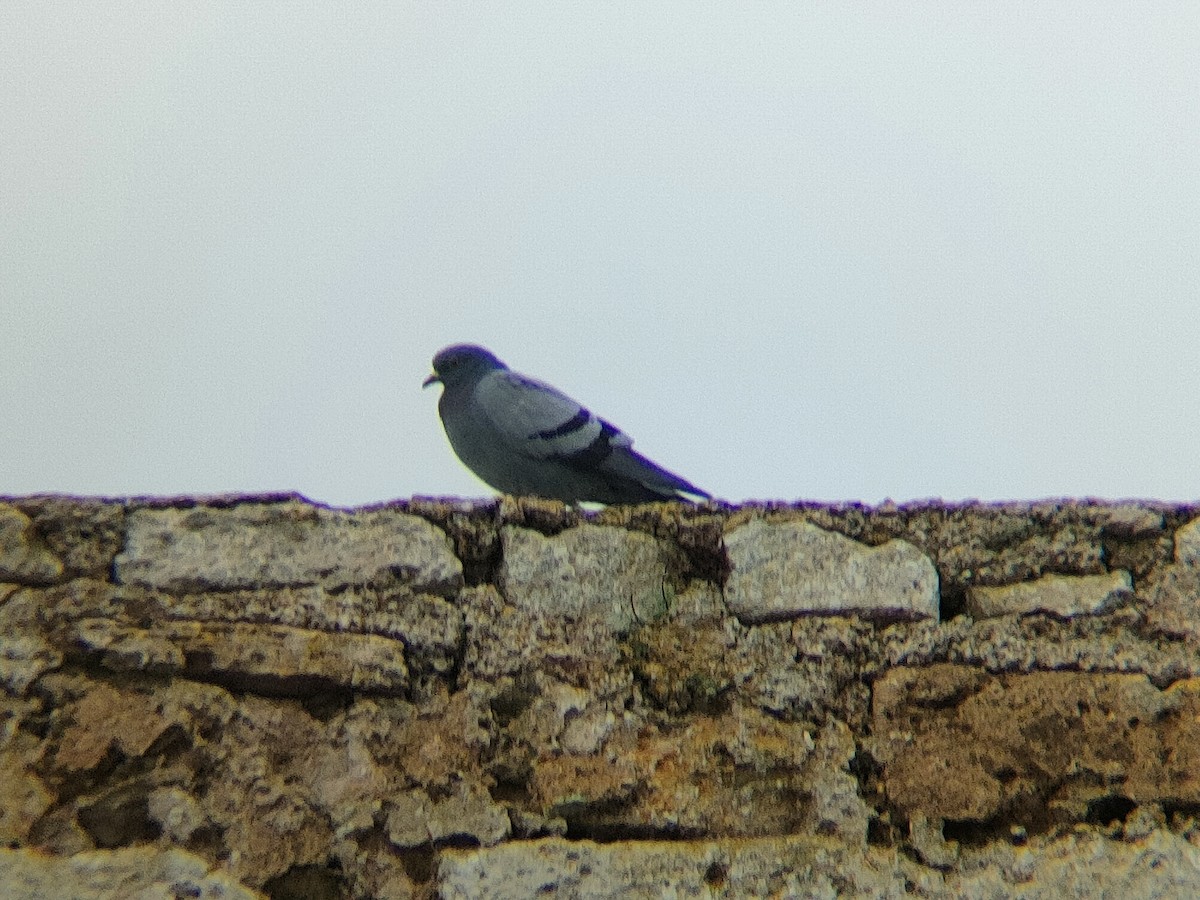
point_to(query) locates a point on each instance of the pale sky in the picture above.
(825, 251)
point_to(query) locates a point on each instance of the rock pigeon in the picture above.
(524, 437)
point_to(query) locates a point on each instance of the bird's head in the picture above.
(461, 364)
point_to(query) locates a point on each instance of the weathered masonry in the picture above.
(244, 696)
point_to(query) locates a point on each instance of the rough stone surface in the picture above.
(145, 873)
(590, 571)
(24, 653)
(24, 798)
(125, 625)
(265, 658)
(1159, 867)
(1040, 643)
(1061, 595)
(518, 698)
(738, 774)
(1187, 544)
(24, 556)
(1132, 521)
(417, 819)
(778, 867)
(86, 535)
(794, 568)
(1173, 606)
(1001, 543)
(259, 545)
(1065, 743)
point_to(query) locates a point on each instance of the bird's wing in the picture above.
(540, 422)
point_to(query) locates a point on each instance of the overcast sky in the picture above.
(839, 252)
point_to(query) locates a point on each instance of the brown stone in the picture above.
(959, 743)
(24, 556)
(269, 695)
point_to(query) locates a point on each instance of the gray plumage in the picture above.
(523, 437)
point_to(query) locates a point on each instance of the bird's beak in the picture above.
(432, 379)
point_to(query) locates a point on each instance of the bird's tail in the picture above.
(658, 482)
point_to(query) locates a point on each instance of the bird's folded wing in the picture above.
(541, 422)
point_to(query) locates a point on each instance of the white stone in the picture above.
(131, 872)
(264, 545)
(790, 569)
(1187, 544)
(610, 574)
(1060, 595)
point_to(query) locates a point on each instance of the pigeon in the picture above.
(524, 437)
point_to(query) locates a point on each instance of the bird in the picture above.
(523, 437)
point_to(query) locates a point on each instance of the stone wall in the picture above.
(221, 697)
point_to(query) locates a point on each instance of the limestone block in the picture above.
(145, 873)
(588, 730)
(1132, 521)
(433, 632)
(24, 797)
(958, 743)
(24, 557)
(25, 653)
(1164, 866)
(103, 718)
(1060, 595)
(507, 644)
(177, 813)
(790, 569)
(86, 534)
(809, 668)
(320, 710)
(126, 648)
(268, 545)
(684, 667)
(837, 807)
(739, 773)
(468, 812)
(431, 627)
(613, 575)
(1098, 644)
(1161, 866)
(276, 788)
(272, 659)
(1174, 607)
(1187, 544)
(768, 867)
(927, 838)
